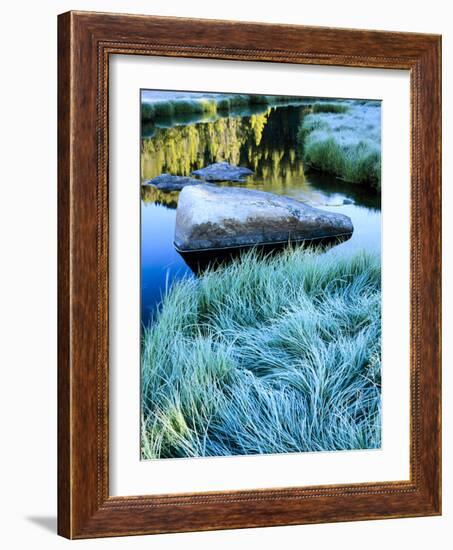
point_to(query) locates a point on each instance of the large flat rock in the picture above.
(223, 171)
(210, 217)
(167, 182)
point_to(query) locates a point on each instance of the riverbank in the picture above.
(344, 139)
(265, 355)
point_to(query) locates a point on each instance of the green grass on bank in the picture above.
(344, 140)
(265, 355)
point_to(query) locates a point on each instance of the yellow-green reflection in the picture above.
(264, 142)
(150, 194)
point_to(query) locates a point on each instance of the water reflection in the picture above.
(151, 195)
(183, 119)
(264, 141)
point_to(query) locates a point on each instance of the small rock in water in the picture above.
(167, 182)
(210, 217)
(223, 171)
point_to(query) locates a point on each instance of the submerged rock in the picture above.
(223, 171)
(210, 217)
(167, 182)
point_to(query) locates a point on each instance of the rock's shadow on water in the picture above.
(201, 260)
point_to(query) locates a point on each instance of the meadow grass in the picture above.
(269, 354)
(344, 140)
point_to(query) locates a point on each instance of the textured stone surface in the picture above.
(167, 182)
(223, 171)
(210, 217)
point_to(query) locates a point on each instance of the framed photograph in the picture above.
(249, 275)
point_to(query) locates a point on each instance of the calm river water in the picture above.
(266, 142)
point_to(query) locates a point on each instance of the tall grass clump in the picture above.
(329, 108)
(269, 354)
(346, 143)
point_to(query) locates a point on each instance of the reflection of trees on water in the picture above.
(182, 149)
(183, 119)
(264, 142)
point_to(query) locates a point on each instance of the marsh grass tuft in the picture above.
(344, 140)
(269, 354)
(329, 108)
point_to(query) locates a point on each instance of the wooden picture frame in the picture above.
(85, 42)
